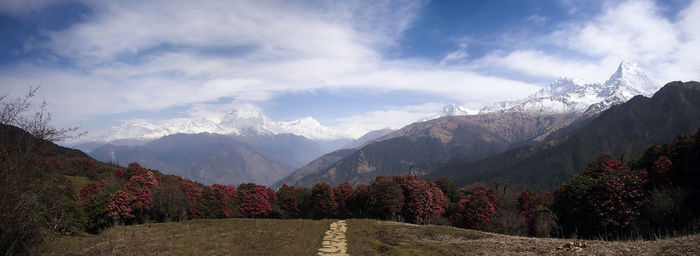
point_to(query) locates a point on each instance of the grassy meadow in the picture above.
(365, 237)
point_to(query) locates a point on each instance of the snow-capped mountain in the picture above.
(567, 95)
(244, 121)
(450, 110)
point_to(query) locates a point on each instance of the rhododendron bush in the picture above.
(343, 195)
(256, 201)
(218, 201)
(424, 200)
(323, 202)
(533, 208)
(607, 198)
(475, 209)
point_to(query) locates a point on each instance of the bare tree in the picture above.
(27, 193)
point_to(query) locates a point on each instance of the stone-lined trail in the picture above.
(334, 242)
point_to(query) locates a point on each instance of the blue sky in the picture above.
(357, 65)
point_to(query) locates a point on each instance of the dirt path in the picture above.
(334, 242)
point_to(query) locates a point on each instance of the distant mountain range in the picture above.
(243, 121)
(624, 130)
(423, 147)
(246, 146)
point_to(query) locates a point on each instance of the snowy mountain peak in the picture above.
(567, 95)
(450, 110)
(243, 121)
(631, 77)
(453, 110)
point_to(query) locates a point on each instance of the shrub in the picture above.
(475, 210)
(424, 200)
(219, 201)
(323, 202)
(287, 197)
(604, 200)
(343, 195)
(256, 201)
(193, 192)
(169, 202)
(386, 198)
(449, 189)
(535, 210)
(360, 203)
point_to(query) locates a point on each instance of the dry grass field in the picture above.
(199, 237)
(364, 237)
(368, 237)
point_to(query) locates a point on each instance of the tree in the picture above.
(28, 192)
(256, 201)
(424, 200)
(449, 189)
(386, 198)
(219, 201)
(287, 197)
(475, 210)
(343, 194)
(323, 202)
(605, 199)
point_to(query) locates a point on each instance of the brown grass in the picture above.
(199, 237)
(364, 237)
(370, 237)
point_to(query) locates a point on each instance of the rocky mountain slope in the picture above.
(624, 130)
(205, 158)
(421, 147)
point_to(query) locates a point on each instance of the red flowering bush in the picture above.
(343, 195)
(141, 186)
(134, 169)
(533, 207)
(193, 193)
(423, 200)
(90, 190)
(606, 198)
(256, 201)
(119, 173)
(323, 202)
(661, 171)
(475, 210)
(85, 163)
(219, 201)
(51, 164)
(120, 205)
(134, 199)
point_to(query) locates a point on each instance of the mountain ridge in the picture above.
(423, 146)
(624, 130)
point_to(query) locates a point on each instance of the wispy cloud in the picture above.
(590, 49)
(153, 55)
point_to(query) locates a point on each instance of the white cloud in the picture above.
(457, 55)
(152, 59)
(590, 49)
(276, 48)
(395, 118)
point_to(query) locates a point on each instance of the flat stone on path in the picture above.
(334, 242)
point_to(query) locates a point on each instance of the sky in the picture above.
(351, 65)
